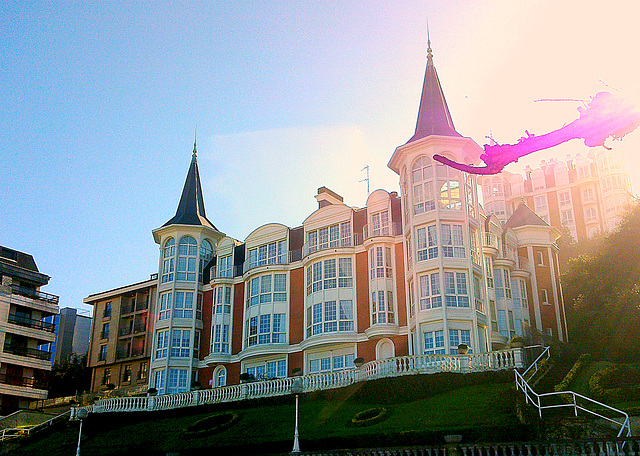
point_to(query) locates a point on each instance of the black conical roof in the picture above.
(191, 207)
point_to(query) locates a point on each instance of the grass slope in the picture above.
(422, 409)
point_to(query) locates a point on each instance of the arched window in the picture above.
(187, 255)
(168, 254)
(422, 186)
(206, 253)
(220, 377)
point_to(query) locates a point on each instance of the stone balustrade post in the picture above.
(518, 358)
(195, 397)
(465, 365)
(151, 402)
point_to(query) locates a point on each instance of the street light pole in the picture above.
(296, 443)
(296, 388)
(81, 414)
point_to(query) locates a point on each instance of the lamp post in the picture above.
(81, 414)
(296, 388)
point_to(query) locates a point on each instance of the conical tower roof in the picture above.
(191, 206)
(524, 216)
(433, 116)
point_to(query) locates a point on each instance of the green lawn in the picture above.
(421, 409)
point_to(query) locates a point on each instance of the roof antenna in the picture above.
(366, 179)
(195, 137)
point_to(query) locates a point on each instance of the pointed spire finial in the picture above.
(429, 54)
(195, 138)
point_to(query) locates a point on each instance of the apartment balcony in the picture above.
(139, 328)
(225, 273)
(351, 241)
(33, 294)
(33, 299)
(394, 229)
(142, 304)
(126, 331)
(490, 245)
(21, 350)
(31, 323)
(28, 382)
(284, 258)
(127, 309)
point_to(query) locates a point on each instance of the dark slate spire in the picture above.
(191, 207)
(433, 116)
(524, 216)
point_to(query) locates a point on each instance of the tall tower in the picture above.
(187, 243)
(441, 226)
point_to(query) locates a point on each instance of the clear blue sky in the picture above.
(99, 102)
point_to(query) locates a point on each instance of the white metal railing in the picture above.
(390, 367)
(23, 431)
(537, 399)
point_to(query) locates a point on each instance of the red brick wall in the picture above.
(205, 334)
(238, 317)
(296, 306)
(362, 291)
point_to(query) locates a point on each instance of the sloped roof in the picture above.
(433, 115)
(524, 216)
(191, 206)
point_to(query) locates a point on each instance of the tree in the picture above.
(70, 377)
(602, 292)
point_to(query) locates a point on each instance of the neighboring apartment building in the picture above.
(121, 335)
(73, 331)
(586, 194)
(419, 272)
(23, 308)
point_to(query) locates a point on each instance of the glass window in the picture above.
(180, 343)
(430, 296)
(434, 342)
(330, 316)
(165, 305)
(455, 285)
(162, 344)
(187, 255)
(183, 305)
(168, 255)
(427, 243)
(206, 253)
(452, 243)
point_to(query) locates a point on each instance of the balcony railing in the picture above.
(142, 304)
(395, 229)
(31, 323)
(139, 328)
(228, 273)
(34, 294)
(129, 308)
(284, 258)
(490, 240)
(29, 382)
(28, 352)
(334, 244)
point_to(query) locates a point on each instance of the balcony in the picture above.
(28, 352)
(142, 304)
(31, 323)
(284, 258)
(33, 294)
(308, 249)
(127, 309)
(395, 229)
(140, 328)
(125, 331)
(29, 382)
(225, 273)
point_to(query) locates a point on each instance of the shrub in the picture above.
(369, 417)
(211, 424)
(582, 361)
(616, 383)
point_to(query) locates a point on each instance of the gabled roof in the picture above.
(433, 116)
(191, 206)
(524, 216)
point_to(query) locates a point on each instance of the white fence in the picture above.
(391, 367)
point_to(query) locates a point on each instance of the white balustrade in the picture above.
(390, 367)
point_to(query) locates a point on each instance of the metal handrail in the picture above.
(31, 322)
(536, 399)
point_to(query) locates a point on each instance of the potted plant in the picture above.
(463, 349)
(246, 377)
(152, 391)
(359, 361)
(195, 385)
(296, 372)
